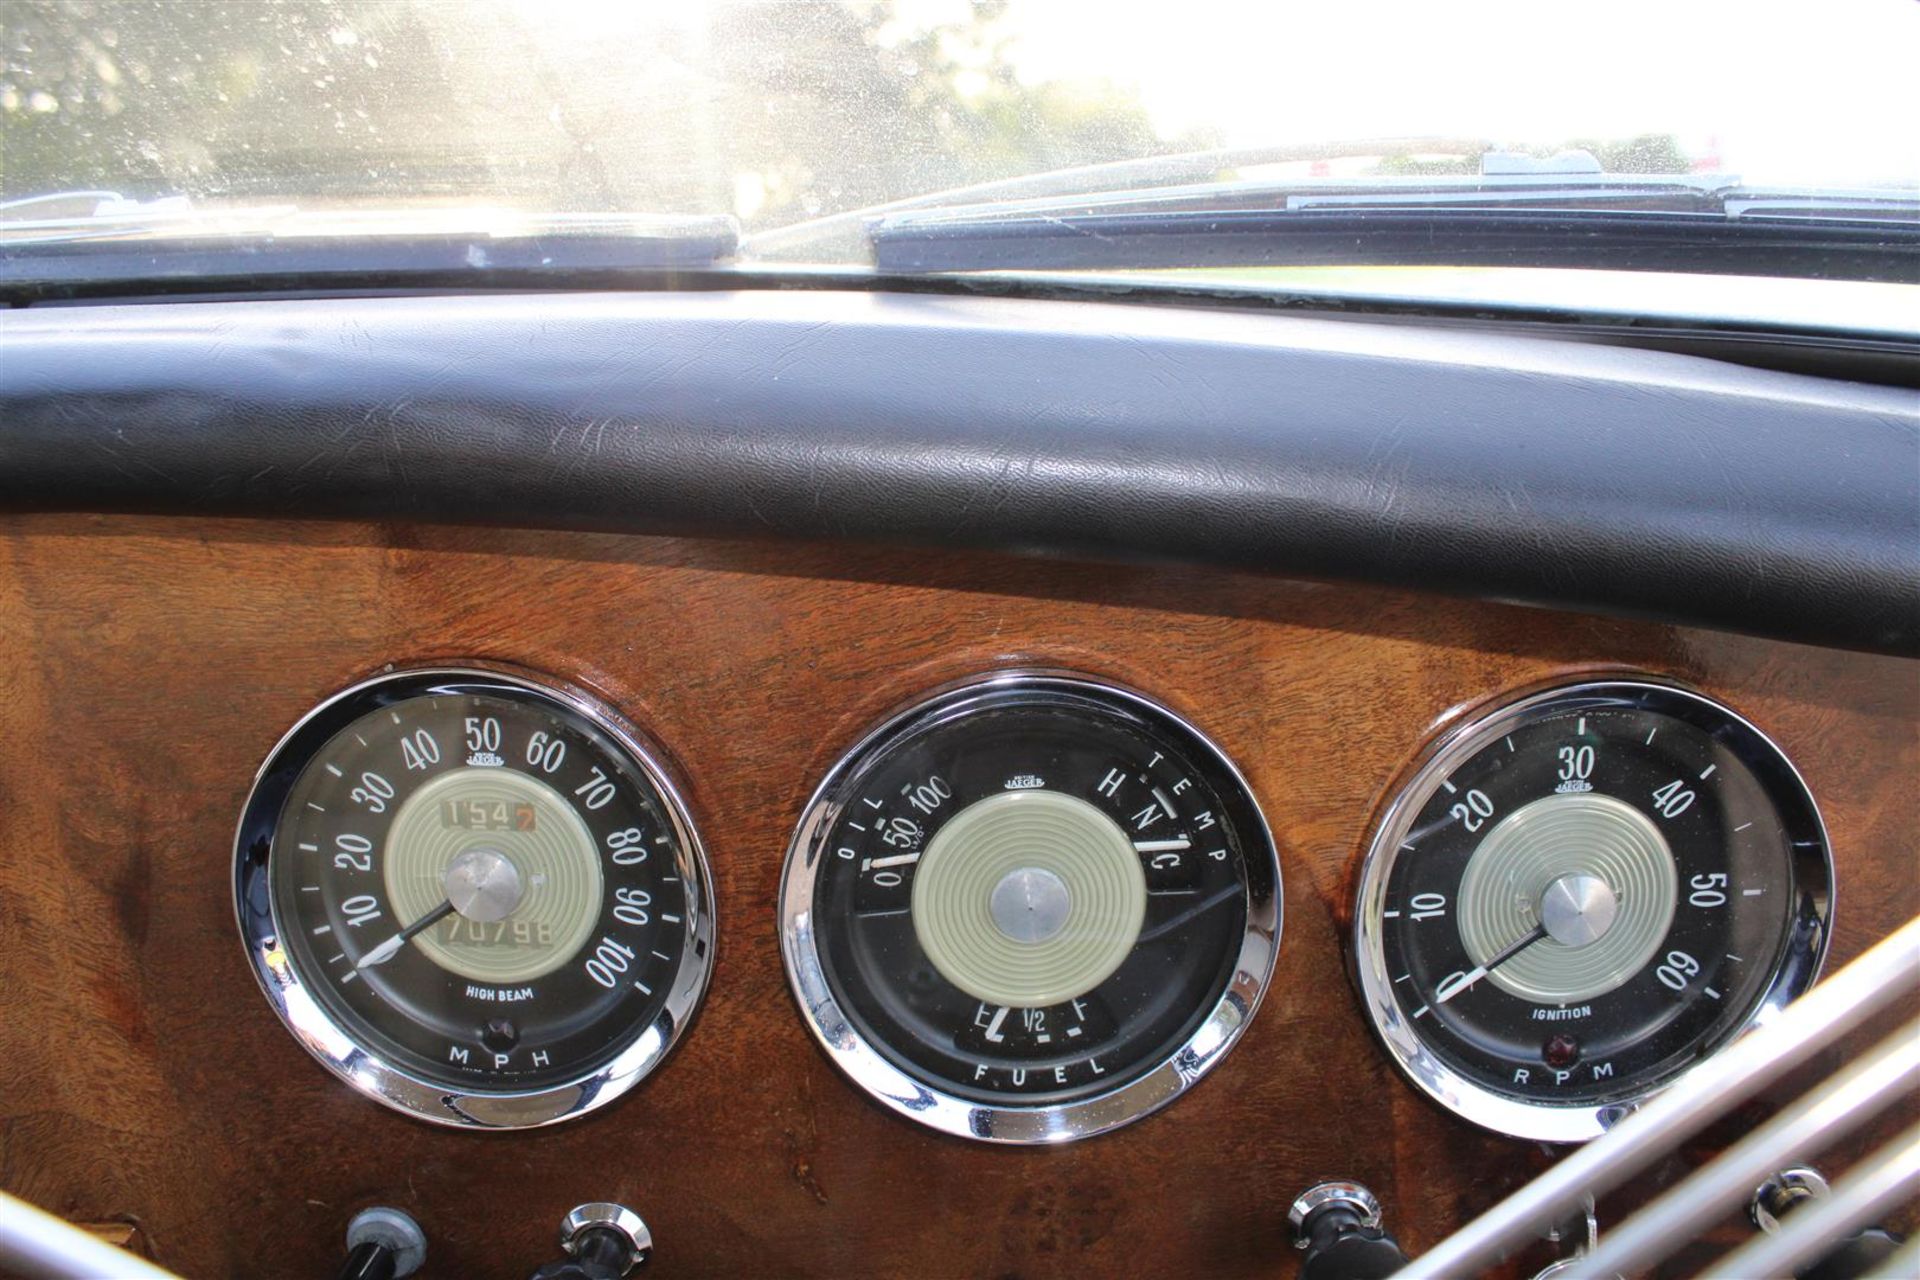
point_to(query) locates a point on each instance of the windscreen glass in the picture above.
(163, 112)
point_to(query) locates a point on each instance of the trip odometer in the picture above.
(1583, 894)
(1031, 908)
(474, 895)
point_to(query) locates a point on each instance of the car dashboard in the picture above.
(890, 784)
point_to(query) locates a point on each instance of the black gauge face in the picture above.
(1036, 894)
(1585, 897)
(480, 882)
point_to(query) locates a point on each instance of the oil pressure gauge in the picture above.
(475, 895)
(1031, 908)
(1583, 894)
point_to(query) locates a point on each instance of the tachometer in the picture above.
(1583, 894)
(1032, 908)
(474, 895)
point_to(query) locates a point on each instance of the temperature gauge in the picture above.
(1031, 908)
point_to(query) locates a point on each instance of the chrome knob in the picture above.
(586, 1223)
(1785, 1189)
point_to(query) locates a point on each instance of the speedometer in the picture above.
(1031, 908)
(475, 895)
(1583, 894)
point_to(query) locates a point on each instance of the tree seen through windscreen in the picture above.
(772, 111)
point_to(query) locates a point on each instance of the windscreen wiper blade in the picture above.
(473, 248)
(1683, 223)
(841, 234)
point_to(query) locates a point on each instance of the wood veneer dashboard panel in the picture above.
(151, 664)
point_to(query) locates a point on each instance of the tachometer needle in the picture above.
(1454, 986)
(386, 950)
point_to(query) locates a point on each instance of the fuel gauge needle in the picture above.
(386, 950)
(1448, 990)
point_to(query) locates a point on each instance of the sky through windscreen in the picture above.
(1776, 90)
(776, 112)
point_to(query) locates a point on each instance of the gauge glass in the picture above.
(1583, 895)
(1013, 907)
(475, 895)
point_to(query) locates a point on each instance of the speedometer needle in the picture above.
(386, 950)
(1455, 985)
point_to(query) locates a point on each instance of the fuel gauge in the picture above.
(1031, 908)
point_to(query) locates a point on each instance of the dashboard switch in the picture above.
(1338, 1225)
(603, 1241)
(383, 1244)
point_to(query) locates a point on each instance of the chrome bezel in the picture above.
(925, 1102)
(1796, 969)
(332, 1043)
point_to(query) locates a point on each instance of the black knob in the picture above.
(603, 1242)
(368, 1261)
(383, 1244)
(1338, 1225)
(1860, 1254)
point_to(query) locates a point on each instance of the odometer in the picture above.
(1031, 908)
(474, 895)
(1580, 896)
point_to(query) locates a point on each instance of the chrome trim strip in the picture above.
(1873, 1188)
(331, 1044)
(1904, 1265)
(1872, 982)
(968, 1118)
(35, 1243)
(1839, 1106)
